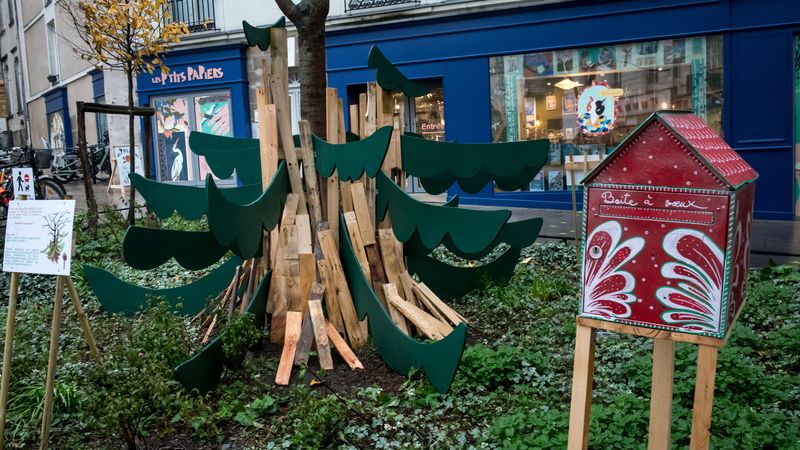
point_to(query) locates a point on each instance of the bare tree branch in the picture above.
(289, 9)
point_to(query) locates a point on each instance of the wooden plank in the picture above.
(354, 332)
(398, 318)
(372, 112)
(362, 116)
(305, 341)
(331, 116)
(281, 97)
(365, 224)
(267, 136)
(408, 287)
(446, 310)
(289, 233)
(376, 271)
(294, 321)
(305, 241)
(318, 324)
(354, 123)
(703, 397)
(347, 195)
(650, 332)
(290, 208)
(331, 299)
(310, 172)
(358, 245)
(426, 304)
(8, 345)
(279, 54)
(277, 326)
(293, 285)
(582, 378)
(341, 346)
(55, 330)
(391, 264)
(332, 136)
(661, 395)
(308, 275)
(429, 326)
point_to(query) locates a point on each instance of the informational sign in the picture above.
(597, 109)
(23, 182)
(123, 157)
(39, 237)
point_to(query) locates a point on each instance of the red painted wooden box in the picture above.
(667, 229)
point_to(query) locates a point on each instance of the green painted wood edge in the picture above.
(259, 36)
(449, 281)
(225, 154)
(190, 202)
(519, 234)
(239, 227)
(390, 78)
(202, 372)
(349, 136)
(470, 230)
(120, 297)
(148, 248)
(438, 360)
(353, 159)
(438, 165)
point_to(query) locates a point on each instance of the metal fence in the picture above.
(197, 14)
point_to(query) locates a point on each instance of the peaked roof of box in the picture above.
(701, 140)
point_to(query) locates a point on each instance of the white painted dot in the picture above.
(651, 307)
(710, 230)
(663, 226)
(695, 172)
(644, 279)
(649, 181)
(674, 166)
(650, 157)
(644, 142)
(639, 301)
(624, 169)
(655, 265)
(646, 232)
(634, 261)
(660, 138)
(688, 183)
(669, 282)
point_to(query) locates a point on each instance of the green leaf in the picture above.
(225, 154)
(354, 158)
(390, 78)
(259, 36)
(148, 248)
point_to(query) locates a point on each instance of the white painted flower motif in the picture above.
(695, 301)
(607, 289)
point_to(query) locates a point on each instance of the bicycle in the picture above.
(45, 188)
(65, 166)
(100, 159)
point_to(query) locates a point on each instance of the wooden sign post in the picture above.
(56, 220)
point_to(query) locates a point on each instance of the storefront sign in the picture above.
(39, 237)
(189, 73)
(597, 109)
(23, 181)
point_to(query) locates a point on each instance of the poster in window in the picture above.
(569, 103)
(555, 154)
(625, 56)
(212, 115)
(56, 134)
(538, 64)
(648, 54)
(38, 237)
(674, 51)
(588, 59)
(555, 180)
(605, 58)
(537, 184)
(565, 61)
(551, 101)
(597, 110)
(176, 158)
(122, 155)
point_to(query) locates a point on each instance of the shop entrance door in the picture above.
(419, 115)
(176, 117)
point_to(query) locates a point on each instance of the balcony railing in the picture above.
(197, 14)
(355, 5)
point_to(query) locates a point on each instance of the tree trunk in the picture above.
(91, 202)
(313, 78)
(131, 147)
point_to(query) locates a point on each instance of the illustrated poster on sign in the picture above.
(597, 109)
(23, 181)
(39, 237)
(123, 157)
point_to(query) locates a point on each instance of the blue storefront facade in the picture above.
(206, 89)
(519, 74)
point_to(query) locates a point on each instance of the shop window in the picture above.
(52, 47)
(56, 130)
(176, 117)
(586, 100)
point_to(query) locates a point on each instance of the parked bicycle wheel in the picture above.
(49, 189)
(66, 168)
(56, 183)
(101, 165)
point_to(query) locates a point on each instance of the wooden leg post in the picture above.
(661, 394)
(10, 322)
(87, 330)
(47, 414)
(582, 377)
(703, 397)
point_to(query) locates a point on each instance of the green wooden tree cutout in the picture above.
(439, 360)
(202, 372)
(120, 297)
(189, 202)
(519, 234)
(353, 158)
(470, 230)
(148, 248)
(238, 227)
(390, 78)
(449, 281)
(224, 154)
(259, 36)
(439, 165)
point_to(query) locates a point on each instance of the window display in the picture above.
(586, 100)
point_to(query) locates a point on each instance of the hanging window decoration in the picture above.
(597, 109)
